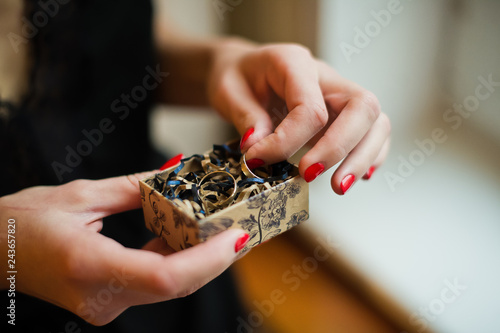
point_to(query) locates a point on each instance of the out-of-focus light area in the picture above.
(431, 215)
(426, 227)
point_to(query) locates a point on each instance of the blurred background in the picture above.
(417, 248)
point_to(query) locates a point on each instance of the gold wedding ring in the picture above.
(246, 170)
(208, 176)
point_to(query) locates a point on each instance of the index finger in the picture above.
(292, 74)
(108, 196)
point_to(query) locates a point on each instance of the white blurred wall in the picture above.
(421, 59)
(441, 221)
(195, 17)
(399, 63)
(477, 52)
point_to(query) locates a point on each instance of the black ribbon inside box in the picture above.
(202, 185)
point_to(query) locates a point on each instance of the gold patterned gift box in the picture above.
(182, 204)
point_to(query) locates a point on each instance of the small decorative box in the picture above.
(206, 194)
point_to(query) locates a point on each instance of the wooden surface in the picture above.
(287, 290)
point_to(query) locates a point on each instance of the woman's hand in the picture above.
(63, 259)
(279, 98)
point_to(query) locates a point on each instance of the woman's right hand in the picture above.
(280, 98)
(62, 258)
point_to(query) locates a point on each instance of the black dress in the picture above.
(86, 116)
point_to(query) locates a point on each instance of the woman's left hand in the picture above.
(279, 98)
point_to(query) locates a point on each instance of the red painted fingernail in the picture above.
(254, 163)
(241, 242)
(369, 173)
(246, 136)
(313, 171)
(171, 162)
(347, 183)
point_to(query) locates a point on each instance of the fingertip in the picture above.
(245, 137)
(255, 163)
(335, 185)
(342, 184)
(347, 183)
(254, 134)
(269, 149)
(171, 162)
(241, 241)
(369, 173)
(313, 171)
(230, 241)
(312, 165)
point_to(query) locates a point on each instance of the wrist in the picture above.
(226, 54)
(191, 63)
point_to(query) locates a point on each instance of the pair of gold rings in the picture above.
(224, 174)
(217, 175)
